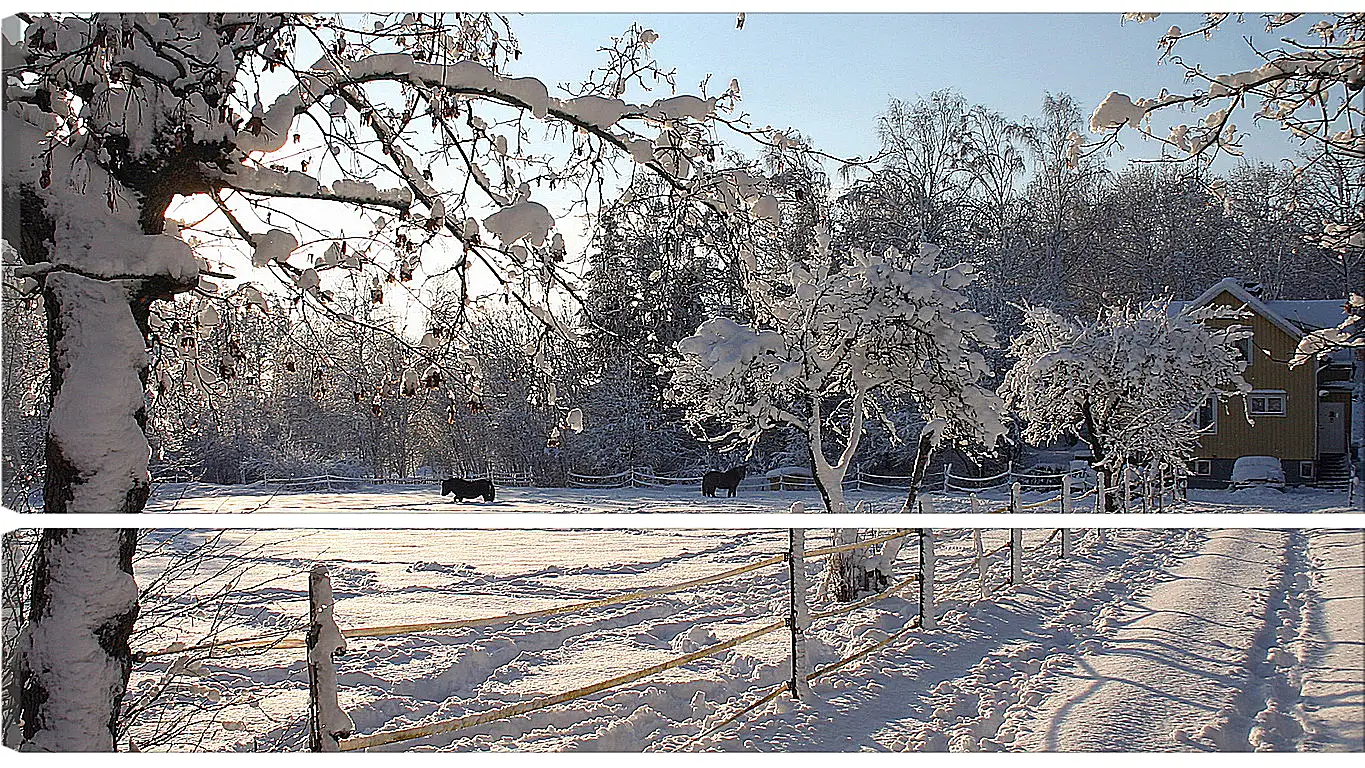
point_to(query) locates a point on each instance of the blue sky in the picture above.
(829, 75)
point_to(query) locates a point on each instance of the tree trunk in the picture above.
(923, 454)
(1098, 455)
(97, 450)
(846, 577)
(75, 658)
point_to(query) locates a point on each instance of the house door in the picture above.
(1331, 428)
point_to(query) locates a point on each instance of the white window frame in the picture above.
(1307, 470)
(1212, 404)
(1202, 467)
(1265, 394)
(1247, 349)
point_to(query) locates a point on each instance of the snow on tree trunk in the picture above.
(97, 451)
(75, 658)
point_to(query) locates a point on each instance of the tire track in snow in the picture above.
(1173, 674)
(950, 688)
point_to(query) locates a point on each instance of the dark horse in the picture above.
(467, 489)
(729, 480)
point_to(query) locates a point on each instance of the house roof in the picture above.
(1311, 315)
(1293, 317)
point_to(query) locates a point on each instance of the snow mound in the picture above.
(694, 639)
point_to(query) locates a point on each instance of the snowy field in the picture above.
(1143, 640)
(203, 497)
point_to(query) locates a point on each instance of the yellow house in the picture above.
(1298, 415)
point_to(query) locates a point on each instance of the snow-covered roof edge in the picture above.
(1234, 287)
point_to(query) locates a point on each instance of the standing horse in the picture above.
(468, 489)
(729, 480)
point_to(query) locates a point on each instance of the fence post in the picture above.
(798, 616)
(1009, 471)
(926, 578)
(1016, 539)
(1127, 489)
(980, 563)
(1016, 555)
(327, 721)
(1066, 510)
(947, 472)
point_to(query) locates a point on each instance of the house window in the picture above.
(1268, 404)
(1306, 470)
(1207, 417)
(1202, 467)
(1246, 348)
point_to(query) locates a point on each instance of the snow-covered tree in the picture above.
(833, 339)
(1129, 383)
(303, 147)
(1308, 80)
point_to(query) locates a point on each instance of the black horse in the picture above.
(729, 480)
(467, 489)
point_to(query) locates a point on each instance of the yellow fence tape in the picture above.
(542, 702)
(274, 642)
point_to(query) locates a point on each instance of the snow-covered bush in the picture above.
(1129, 383)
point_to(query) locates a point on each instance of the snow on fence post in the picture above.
(1015, 490)
(798, 616)
(926, 578)
(1066, 510)
(327, 721)
(947, 473)
(1127, 490)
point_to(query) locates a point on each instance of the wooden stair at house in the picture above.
(1334, 471)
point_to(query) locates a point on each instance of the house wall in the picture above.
(1292, 437)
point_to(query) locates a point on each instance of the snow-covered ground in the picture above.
(1147, 639)
(203, 497)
